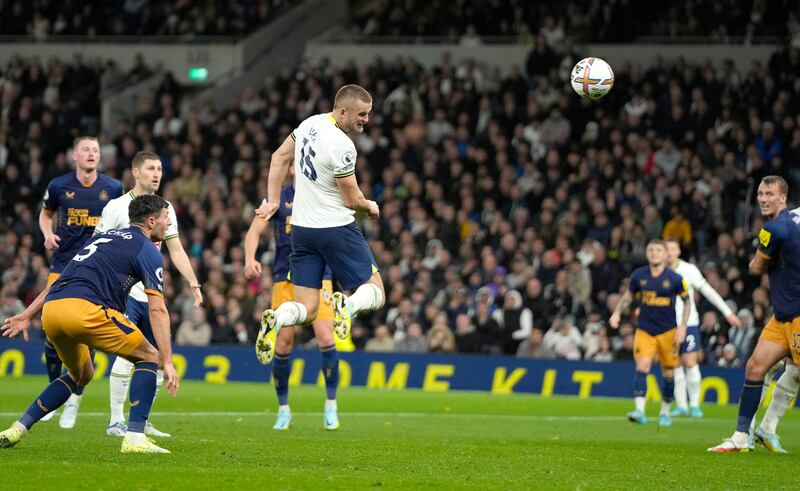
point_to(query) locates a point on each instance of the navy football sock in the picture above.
(142, 392)
(51, 398)
(330, 370)
(748, 404)
(280, 372)
(668, 389)
(639, 384)
(52, 360)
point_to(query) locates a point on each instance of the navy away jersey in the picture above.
(79, 209)
(656, 296)
(104, 271)
(779, 241)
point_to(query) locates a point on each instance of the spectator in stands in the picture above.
(534, 347)
(564, 339)
(414, 341)
(195, 331)
(440, 337)
(381, 341)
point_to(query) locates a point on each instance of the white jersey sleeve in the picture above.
(322, 153)
(696, 282)
(172, 231)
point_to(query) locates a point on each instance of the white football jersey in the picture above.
(695, 281)
(322, 153)
(115, 216)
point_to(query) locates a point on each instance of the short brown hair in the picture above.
(657, 242)
(142, 156)
(783, 186)
(351, 92)
(672, 239)
(79, 139)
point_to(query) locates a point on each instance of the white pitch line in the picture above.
(506, 417)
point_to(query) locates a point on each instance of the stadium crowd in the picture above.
(579, 20)
(41, 19)
(512, 210)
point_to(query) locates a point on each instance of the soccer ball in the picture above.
(592, 78)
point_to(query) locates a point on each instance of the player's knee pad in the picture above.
(121, 367)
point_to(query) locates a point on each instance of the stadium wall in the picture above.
(506, 55)
(433, 373)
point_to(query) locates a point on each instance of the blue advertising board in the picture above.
(434, 373)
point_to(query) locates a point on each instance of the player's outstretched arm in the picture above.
(51, 240)
(21, 322)
(278, 168)
(159, 319)
(181, 261)
(353, 197)
(252, 268)
(623, 304)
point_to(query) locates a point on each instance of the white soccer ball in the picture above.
(592, 78)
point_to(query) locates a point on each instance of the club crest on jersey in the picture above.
(69, 194)
(643, 282)
(288, 204)
(665, 284)
(103, 195)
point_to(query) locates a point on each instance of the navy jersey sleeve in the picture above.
(150, 266)
(771, 237)
(117, 192)
(51, 195)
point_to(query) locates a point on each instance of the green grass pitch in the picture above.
(223, 439)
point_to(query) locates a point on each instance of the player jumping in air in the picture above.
(146, 170)
(324, 231)
(778, 254)
(83, 310)
(282, 291)
(656, 287)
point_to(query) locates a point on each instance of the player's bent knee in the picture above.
(144, 352)
(755, 369)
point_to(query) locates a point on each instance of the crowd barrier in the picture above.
(434, 373)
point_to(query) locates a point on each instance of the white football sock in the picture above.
(680, 389)
(693, 378)
(366, 297)
(664, 407)
(290, 314)
(159, 381)
(740, 438)
(118, 383)
(782, 396)
(639, 402)
(330, 403)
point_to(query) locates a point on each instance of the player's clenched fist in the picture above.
(252, 269)
(372, 209)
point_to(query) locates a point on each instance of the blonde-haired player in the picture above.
(283, 291)
(324, 232)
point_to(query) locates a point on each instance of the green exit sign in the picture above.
(198, 74)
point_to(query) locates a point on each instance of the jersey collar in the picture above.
(333, 120)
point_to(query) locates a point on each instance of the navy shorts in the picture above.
(139, 313)
(343, 248)
(693, 341)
